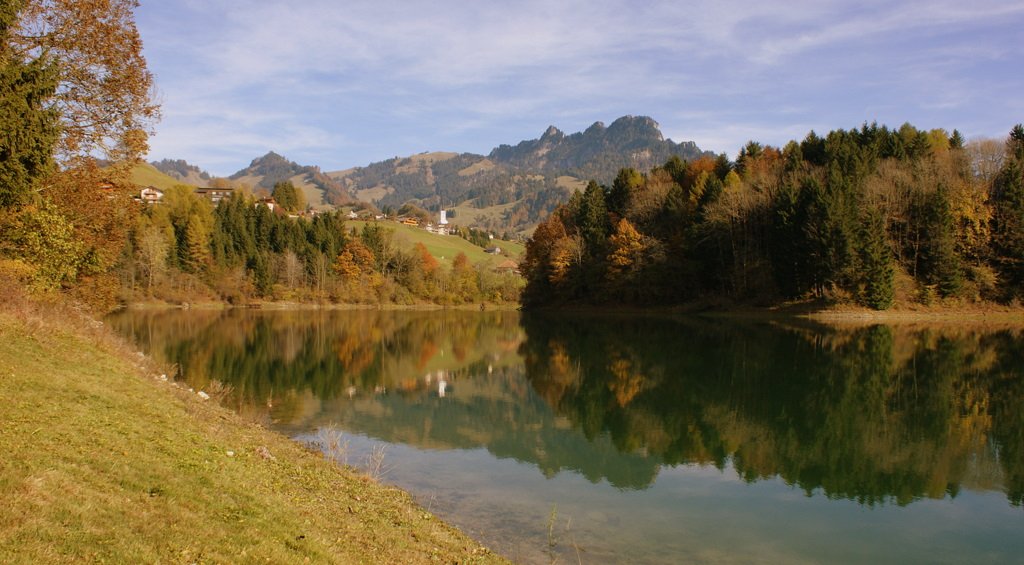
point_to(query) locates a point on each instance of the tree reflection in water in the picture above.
(875, 414)
(872, 414)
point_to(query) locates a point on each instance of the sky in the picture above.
(341, 84)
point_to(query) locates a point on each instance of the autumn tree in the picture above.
(626, 250)
(464, 283)
(354, 260)
(631, 256)
(549, 260)
(104, 93)
(76, 86)
(152, 248)
(428, 261)
(43, 239)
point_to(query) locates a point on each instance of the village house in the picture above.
(507, 266)
(214, 195)
(438, 229)
(150, 195)
(269, 203)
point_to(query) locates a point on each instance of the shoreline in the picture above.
(288, 305)
(815, 312)
(811, 310)
(109, 460)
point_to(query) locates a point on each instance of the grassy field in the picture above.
(467, 214)
(103, 461)
(444, 248)
(145, 174)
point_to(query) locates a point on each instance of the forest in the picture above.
(185, 249)
(872, 216)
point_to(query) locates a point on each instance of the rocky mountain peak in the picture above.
(552, 133)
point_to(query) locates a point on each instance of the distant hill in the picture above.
(270, 169)
(145, 174)
(181, 171)
(515, 186)
(597, 153)
(510, 189)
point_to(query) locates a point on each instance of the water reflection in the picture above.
(875, 415)
(435, 380)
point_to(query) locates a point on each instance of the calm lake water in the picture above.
(626, 440)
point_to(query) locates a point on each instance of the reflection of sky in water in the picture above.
(692, 513)
(492, 425)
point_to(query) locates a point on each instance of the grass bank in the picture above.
(102, 461)
(819, 311)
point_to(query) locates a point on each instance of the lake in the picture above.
(644, 440)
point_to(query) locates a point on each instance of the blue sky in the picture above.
(346, 83)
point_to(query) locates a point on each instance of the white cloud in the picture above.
(359, 80)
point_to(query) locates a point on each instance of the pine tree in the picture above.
(787, 245)
(286, 195)
(627, 181)
(1008, 214)
(876, 263)
(939, 263)
(827, 230)
(956, 140)
(28, 129)
(592, 218)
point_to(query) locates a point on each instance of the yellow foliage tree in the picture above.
(354, 260)
(626, 256)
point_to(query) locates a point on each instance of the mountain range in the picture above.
(511, 188)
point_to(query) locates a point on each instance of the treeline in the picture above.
(185, 249)
(870, 215)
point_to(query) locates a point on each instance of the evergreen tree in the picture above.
(827, 231)
(626, 182)
(28, 129)
(262, 278)
(956, 140)
(813, 149)
(592, 218)
(676, 168)
(710, 194)
(876, 263)
(1008, 214)
(937, 262)
(287, 196)
(787, 246)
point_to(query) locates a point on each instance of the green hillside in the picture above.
(445, 247)
(145, 174)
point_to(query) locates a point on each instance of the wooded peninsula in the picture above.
(872, 215)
